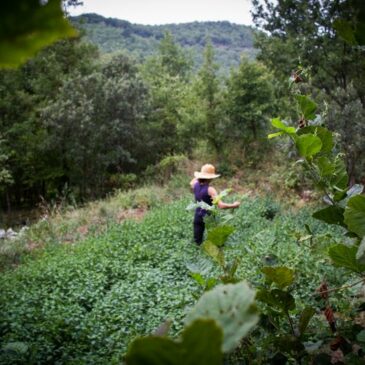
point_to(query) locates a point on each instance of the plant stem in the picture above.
(340, 287)
(291, 323)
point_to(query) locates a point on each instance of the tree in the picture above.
(93, 126)
(249, 100)
(304, 32)
(208, 87)
(5, 175)
(172, 118)
(172, 58)
(23, 94)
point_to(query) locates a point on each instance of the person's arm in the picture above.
(222, 205)
(192, 183)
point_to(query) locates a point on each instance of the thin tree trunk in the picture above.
(8, 203)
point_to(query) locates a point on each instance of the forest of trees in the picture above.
(229, 40)
(73, 119)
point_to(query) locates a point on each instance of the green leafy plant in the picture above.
(27, 26)
(346, 207)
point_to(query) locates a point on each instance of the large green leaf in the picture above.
(340, 178)
(308, 145)
(325, 166)
(214, 252)
(331, 215)
(201, 344)
(355, 215)
(220, 234)
(233, 307)
(345, 256)
(221, 195)
(307, 106)
(276, 298)
(282, 276)
(323, 133)
(27, 26)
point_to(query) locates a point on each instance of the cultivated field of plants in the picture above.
(86, 302)
(105, 145)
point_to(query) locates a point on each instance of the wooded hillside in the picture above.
(229, 40)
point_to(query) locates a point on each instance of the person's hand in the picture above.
(236, 204)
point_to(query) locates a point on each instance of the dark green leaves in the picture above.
(304, 319)
(331, 215)
(306, 106)
(201, 343)
(323, 133)
(214, 252)
(27, 26)
(220, 234)
(339, 179)
(282, 276)
(345, 256)
(276, 298)
(325, 166)
(355, 215)
(308, 145)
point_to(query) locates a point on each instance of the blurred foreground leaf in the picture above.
(27, 26)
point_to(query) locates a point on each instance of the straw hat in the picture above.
(207, 172)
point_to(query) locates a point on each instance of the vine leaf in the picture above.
(233, 307)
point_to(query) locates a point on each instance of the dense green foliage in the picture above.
(304, 32)
(85, 303)
(74, 123)
(230, 41)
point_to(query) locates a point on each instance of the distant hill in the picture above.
(229, 40)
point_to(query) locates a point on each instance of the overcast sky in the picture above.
(169, 11)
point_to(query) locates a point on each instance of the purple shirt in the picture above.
(201, 194)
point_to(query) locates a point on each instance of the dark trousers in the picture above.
(199, 227)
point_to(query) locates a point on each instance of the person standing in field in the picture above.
(203, 192)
